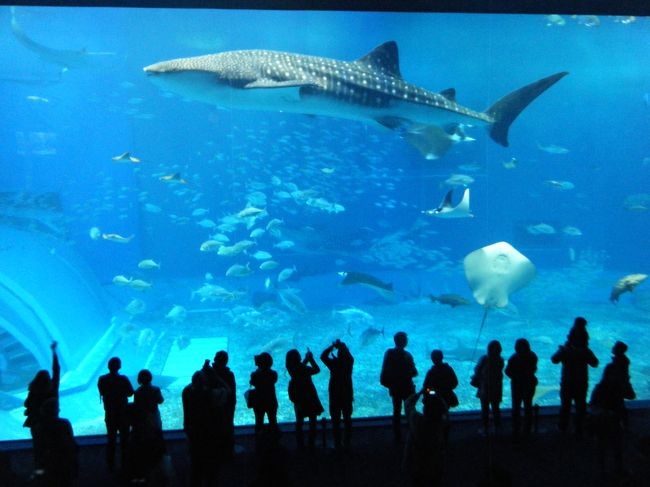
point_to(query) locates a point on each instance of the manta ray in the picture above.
(370, 89)
(66, 58)
(447, 210)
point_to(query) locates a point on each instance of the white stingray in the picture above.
(447, 210)
(494, 273)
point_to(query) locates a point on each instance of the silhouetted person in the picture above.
(424, 453)
(521, 369)
(206, 425)
(578, 333)
(302, 393)
(340, 389)
(607, 404)
(42, 387)
(114, 391)
(263, 379)
(220, 368)
(148, 446)
(489, 375)
(622, 365)
(441, 379)
(397, 372)
(575, 356)
(59, 449)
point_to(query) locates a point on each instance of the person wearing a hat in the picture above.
(263, 380)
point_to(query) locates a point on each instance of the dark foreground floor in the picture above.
(546, 459)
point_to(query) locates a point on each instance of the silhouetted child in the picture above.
(488, 374)
(59, 449)
(340, 389)
(575, 357)
(397, 372)
(302, 393)
(521, 369)
(220, 368)
(206, 427)
(148, 444)
(424, 452)
(114, 391)
(622, 364)
(441, 379)
(607, 404)
(40, 389)
(263, 379)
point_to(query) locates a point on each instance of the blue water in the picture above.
(59, 131)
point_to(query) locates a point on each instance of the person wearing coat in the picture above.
(302, 393)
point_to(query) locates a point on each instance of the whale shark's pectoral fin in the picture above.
(267, 83)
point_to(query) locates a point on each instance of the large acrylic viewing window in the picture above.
(266, 201)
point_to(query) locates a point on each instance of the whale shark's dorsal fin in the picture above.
(383, 58)
(449, 94)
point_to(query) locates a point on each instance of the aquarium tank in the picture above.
(178, 182)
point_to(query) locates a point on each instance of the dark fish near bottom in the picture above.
(452, 300)
(370, 334)
(372, 282)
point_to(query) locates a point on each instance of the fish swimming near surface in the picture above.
(238, 270)
(173, 178)
(626, 284)
(122, 280)
(177, 314)
(139, 285)
(370, 89)
(126, 157)
(148, 264)
(452, 300)
(553, 149)
(135, 307)
(447, 210)
(383, 288)
(114, 237)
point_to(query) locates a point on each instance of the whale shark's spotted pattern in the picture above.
(370, 88)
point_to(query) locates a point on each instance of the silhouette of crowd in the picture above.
(209, 403)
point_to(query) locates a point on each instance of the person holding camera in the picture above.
(340, 389)
(265, 401)
(302, 393)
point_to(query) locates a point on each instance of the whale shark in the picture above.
(447, 210)
(369, 89)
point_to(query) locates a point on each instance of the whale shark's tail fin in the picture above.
(505, 110)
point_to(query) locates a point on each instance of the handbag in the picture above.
(249, 396)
